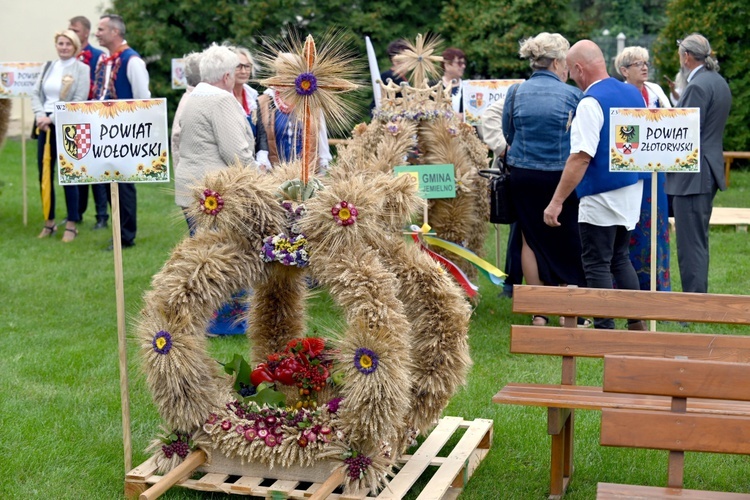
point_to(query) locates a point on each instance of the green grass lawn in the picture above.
(60, 420)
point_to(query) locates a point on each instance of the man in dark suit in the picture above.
(694, 193)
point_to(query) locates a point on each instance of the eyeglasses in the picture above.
(244, 67)
(638, 64)
(458, 62)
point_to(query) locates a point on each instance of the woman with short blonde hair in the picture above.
(545, 48)
(632, 63)
(65, 79)
(536, 122)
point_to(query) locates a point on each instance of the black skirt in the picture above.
(557, 249)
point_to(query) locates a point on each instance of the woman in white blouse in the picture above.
(66, 79)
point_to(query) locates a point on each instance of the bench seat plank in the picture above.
(595, 398)
(607, 491)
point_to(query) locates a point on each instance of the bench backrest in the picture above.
(590, 343)
(676, 430)
(637, 304)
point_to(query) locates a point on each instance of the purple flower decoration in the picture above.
(306, 84)
(365, 360)
(162, 342)
(333, 405)
(288, 251)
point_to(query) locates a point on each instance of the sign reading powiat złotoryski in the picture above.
(112, 141)
(654, 140)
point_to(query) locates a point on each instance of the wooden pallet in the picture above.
(452, 474)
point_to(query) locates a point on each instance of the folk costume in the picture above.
(123, 75)
(90, 56)
(283, 133)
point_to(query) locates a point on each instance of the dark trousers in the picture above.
(128, 208)
(691, 216)
(100, 200)
(71, 192)
(513, 259)
(606, 255)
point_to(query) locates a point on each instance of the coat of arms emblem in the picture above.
(626, 138)
(77, 139)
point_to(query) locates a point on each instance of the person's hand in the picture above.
(43, 123)
(263, 161)
(551, 213)
(670, 82)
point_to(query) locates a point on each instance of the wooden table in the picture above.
(729, 156)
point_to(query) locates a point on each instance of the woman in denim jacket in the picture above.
(536, 124)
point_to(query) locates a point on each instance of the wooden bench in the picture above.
(675, 430)
(729, 157)
(570, 343)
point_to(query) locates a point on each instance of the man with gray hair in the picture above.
(694, 193)
(193, 77)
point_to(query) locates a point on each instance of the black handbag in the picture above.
(502, 209)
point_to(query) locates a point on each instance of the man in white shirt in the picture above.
(610, 202)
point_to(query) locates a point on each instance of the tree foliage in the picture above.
(161, 31)
(489, 31)
(725, 24)
(631, 17)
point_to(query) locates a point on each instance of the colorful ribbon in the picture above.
(495, 275)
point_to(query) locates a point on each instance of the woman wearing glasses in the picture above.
(633, 65)
(248, 99)
(454, 64)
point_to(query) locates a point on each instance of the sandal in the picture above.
(48, 231)
(539, 320)
(65, 238)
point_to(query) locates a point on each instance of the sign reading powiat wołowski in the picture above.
(654, 140)
(178, 74)
(17, 79)
(112, 141)
(478, 95)
(433, 181)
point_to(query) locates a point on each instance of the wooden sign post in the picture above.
(113, 142)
